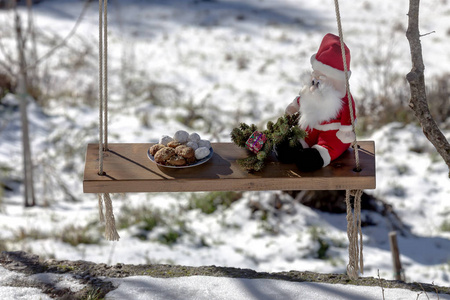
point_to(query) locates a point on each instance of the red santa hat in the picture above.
(328, 58)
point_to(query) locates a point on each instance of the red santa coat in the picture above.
(332, 137)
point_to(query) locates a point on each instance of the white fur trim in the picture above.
(304, 143)
(327, 70)
(346, 127)
(346, 136)
(327, 127)
(324, 154)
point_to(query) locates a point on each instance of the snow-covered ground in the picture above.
(204, 288)
(206, 66)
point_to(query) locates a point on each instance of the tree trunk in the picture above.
(418, 102)
(22, 93)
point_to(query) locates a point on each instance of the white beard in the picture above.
(322, 104)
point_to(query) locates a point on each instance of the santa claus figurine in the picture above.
(324, 111)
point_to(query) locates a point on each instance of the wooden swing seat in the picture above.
(128, 170)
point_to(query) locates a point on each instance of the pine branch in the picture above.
(248, 163)
(285, 128)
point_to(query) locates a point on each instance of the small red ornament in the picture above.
(256, 141)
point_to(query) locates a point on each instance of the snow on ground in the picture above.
(205, 287)
(223, 62)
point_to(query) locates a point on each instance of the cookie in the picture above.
(194, 137)
(185, 151)
(173, 144)
(156, 148)
(204, 143)
(191, 160)
(193, 145)
(165, 139)
(201, 153)
(164, 154)
(176, 160)
(181, 136)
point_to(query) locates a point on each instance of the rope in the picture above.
(110, 226)
(100, 208)
(100, 88)
(347, 83)
(105, 66)
(354, 232)
(103, 80)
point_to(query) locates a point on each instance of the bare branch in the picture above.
(64, 41)
(6, 54)
(7, 68)
(428, 33)
(418, 102)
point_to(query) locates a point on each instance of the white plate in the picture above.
(198, 162)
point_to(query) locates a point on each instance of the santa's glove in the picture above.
(308, 160)
(285, 153)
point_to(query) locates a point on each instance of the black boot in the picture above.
(285, 153)
(308, 160)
